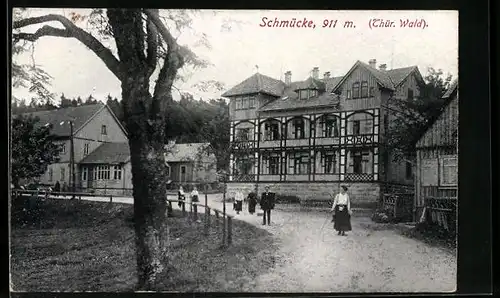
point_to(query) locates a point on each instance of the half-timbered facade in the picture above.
(437, 162)
(304, 138)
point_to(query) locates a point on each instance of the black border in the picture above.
(475, 209)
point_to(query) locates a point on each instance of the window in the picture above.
(409, 172)
(244, 164)
(348, 94)
(84, 173)
(86, 149)
(167, 171)
(51, 174)
(448, 171)
(364, 89)
(355, 90)
(410, 94)
(298, 128)
(104, 130)
(238, 103)
(63, 174)
(372, 92)
(63, 148)
(356, 127)
(328, 161)
(103, 173)
(271, 163)
(271, 131)
(117, 173)
(360, 161)
(313, 93)
(251, 102)
(299, 163)
(329, 126)
(243, 134)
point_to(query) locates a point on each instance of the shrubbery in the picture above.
(383, 215)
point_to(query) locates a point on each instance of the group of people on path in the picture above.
(267, 203)
(341, 207)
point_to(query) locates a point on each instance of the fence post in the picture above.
(207, 218)
(111, 198)
(183, 207)
(217, 214)
(229, 230)
(195, 211)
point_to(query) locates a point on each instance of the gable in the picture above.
(91, 130)
(357, 74)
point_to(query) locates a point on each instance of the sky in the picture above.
(240, 46)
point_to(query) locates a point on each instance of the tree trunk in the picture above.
(148, 167)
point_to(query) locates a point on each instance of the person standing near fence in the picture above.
(181, 198)
(238, 199)
(342, 211)
(57, 188)
(252, 202)
(195, 198)
(267, 204)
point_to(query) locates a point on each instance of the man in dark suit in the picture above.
(267, 204)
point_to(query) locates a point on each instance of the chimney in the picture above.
(326, 75)
(383, 67)
(316, 73)
(373, 63)
(288, 77)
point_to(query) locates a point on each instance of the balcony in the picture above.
(358, 177)
(361, 139)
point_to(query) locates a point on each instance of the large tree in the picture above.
(145, 45)
(33, 148)
(411, 117)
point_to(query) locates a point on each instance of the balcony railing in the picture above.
(358, 177)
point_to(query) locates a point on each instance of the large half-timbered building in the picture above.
(304, 138)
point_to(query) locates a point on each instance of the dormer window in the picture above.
(364, 89)
(307, 93)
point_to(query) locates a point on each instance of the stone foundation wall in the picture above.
(362, 194)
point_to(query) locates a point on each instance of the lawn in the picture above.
(62, 245)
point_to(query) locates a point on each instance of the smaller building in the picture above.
(436, 184)
(191, 163)
(107, 170)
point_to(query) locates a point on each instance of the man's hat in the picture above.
(343, 185)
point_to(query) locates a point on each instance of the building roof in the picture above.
(443, 130)
(59, 119)
(453, 86)
(108, 153)
(185, 152)
(255, 84)
(290, 100)
(389, 79)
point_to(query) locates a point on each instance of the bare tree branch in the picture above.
(71, 30)
(173, 60)
(152, 40)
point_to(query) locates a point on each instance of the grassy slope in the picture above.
(89, 246)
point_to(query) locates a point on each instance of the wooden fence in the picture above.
(401, 205)
(54, 194)
(223, 219)
(441, 211)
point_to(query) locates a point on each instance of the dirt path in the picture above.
(313, 258)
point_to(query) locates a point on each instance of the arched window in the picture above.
(298, 128)
(329, 126)
(360, 124)
(271, 130)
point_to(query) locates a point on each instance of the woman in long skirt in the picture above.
(238, 200)
(252, 202)
(342, 208)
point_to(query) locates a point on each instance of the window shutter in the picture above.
(449, 171)
(429, 172)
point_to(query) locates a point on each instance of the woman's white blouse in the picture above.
(239, 196)
(342, 199)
